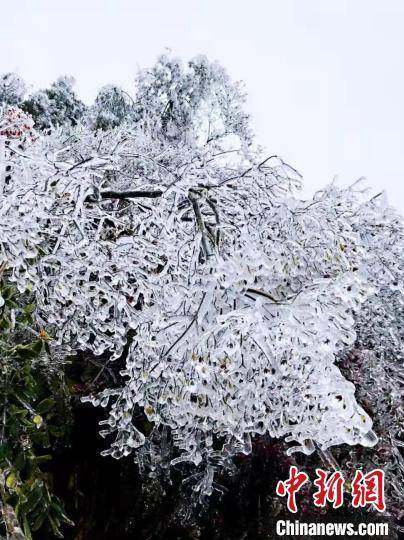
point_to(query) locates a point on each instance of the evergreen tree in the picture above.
(12, 89)
(111, 108)
(55, 106)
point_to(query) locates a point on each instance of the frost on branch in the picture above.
(111, 108)
(173, 240)
(375, 363)
(55, 106)
(12, 89)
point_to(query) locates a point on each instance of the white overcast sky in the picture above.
(325, 77)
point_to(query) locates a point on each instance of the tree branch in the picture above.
(131, 194)
(110, 194)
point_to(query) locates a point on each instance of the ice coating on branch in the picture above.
(111, 108)
(232, 296)
(55, 106)
(12, 89)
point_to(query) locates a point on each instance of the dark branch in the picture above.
(262, 293)
(130, 194)
(123, 195)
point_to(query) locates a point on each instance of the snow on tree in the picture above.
(12, 89)
(200, 102)
(55, 106)
(173, 241)
(112, 106)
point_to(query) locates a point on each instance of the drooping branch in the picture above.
(111, 194)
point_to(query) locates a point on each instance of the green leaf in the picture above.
(7, 293)
(45, 405)
(32, 399)
(11, 480)
(30, 351)
(26, 528)
(35, 496)
(38, 420)
(29, 308)
(5, 323)
(42, 459)
(38, 519)
(19, 461)
(36, 347)
(5, 451)
(55, 526)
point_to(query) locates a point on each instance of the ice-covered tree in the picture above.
(12, 89)
(55, 106)
(199, 104)
(375, 362)
(112, 107)
(173, 241)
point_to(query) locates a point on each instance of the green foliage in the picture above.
(32, 421)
